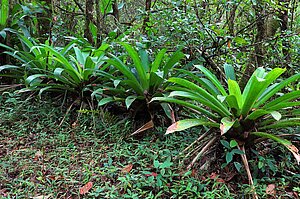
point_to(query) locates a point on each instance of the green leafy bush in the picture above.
(142, 78)
(43, 67)
(240, 116)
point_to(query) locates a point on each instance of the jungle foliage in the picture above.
(229, 69)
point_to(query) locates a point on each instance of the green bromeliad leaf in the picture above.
(280, 124)
(138, 64)
(272, 90)
(188, 123)
(257, 84)
(226, 124)
(129, 100)
(229, 72)
(234, 89)
(261, 112)
(212, 78)
(282, 141)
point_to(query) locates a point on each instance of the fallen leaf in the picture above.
(3, 192)
(295, 152)
(220, 180)
(271, 189)
(145, 127)
(127, 169)
(75, 124)
(194, 172)
(151, 174)
(213, 175)
(86, 188)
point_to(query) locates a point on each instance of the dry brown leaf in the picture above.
(222, 128)
(127, 169)
(151, 174)
(86, 188)
(146, 126)
(271, 189)
(172, 128)
(295, 152)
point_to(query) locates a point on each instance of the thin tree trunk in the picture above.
(88, 19)
(283, 16)
(231, 18)
(99, 23)
(116, 11)
(260, 35)
(146, 19)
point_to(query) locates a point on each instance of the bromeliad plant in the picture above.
(140, 78)
(240, 116)
(143, 79)
(43, 67)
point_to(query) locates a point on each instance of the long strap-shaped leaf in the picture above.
(156, 63)
(256, 86)
(282, 141)
(116, 62)
(138, 65)
(275, 89)
(283, 105)
(281, 124)
(235, 90)
(205, 83)
(4, 13)
(198, 98)
(212, 78)
(285, 98)
(187, 104)
(178, 55)
(189, 123)
(201, 92)
(65, 63)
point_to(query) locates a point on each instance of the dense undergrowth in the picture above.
(41, 158)
(167, 99)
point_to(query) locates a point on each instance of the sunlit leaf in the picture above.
(226, 124)
(188, 123)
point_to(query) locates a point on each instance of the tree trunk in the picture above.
(116, 11)
(257, 57)
(88, 19)
(99, 23)
(146, 19)
(231, 18)
(283, 16)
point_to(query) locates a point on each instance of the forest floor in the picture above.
(95, 157)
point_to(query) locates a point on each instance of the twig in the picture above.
(79, 6)
(247, 168)
(197, 140)
(73, 13)
(199, 19)
(203, 150)
(66, 113)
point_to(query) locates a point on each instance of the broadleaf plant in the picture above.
(238, 115)
(142, 78)
(46, 68)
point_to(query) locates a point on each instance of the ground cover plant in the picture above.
(88, 89)
(39, 159)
